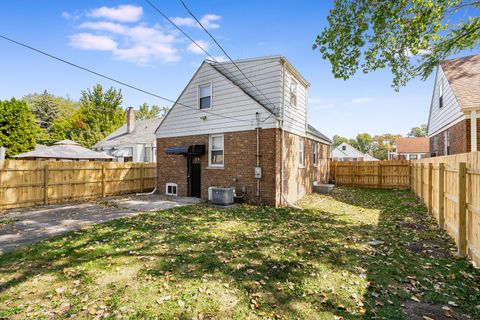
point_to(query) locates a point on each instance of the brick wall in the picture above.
(457, 138)
(239, 164)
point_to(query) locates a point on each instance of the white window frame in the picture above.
(315, 154)
(173, 185)
(294, 92)
(210, 83)
(301, 153)
(210, 149)
(440, 94)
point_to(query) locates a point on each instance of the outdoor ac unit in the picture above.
(222, 196)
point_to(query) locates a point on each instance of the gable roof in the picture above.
(65, 149)
(350, 152)
(143, 133)
(416, 145)
(312, 130)
(463, 75)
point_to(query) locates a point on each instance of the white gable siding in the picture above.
(295, 116)
(450, 113)
(227, 100)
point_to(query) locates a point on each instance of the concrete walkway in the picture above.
(28, 225)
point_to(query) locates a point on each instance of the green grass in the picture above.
(245, 263)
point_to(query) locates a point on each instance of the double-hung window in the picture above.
(315, 154)
(293, 93)
(301, 153)
(216, 151)
(205, 96)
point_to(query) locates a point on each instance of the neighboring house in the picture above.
(134, 141)
(222, 131)
(454, 122)
(65, 150)
(346, 152)
(410, 149)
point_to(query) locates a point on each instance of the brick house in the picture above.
(454, 123)
(410, 149)
(224, 131)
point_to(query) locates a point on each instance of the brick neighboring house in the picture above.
(454, 123)
(222, 128)
(410, 149)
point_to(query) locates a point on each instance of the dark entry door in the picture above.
(193, 175)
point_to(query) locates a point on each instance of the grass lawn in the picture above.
(248, 262)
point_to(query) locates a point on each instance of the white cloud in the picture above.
(220, 58)
(206, 21)
(88, 41)
(192, 47)
(361, 100)
(124, 13)
(104, 26)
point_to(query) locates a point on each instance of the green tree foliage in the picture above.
(364, 142)
(383, 144)
(418, 131)
(44, 107)
(408, 37)
(145, 111)
(17, 127)
(100, 114)
(337, 140)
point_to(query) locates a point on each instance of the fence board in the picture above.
(26, 182)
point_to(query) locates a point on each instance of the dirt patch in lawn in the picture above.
(427, 248)
(424, 311)
(412, 225)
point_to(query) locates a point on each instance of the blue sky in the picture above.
(130, 41)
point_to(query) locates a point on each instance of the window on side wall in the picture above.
(171, 189)
(301, 152)
(440, 93)
(413, 157)
(315, 154)
(344, 148)
(205, 96)
(293, 92)
(216, 151)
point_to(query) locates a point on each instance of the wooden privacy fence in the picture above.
(371, 174)
(450, 188)
(26, 182)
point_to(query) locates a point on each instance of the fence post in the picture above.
(354, 175)
(142, 184)
(430, 188)
(410, 176)
(103, 181)
(441, 195)
(45, 184)
(421, 182)
(462, 209)
(380, 182)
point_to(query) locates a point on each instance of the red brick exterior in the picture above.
(457, 139)
(240, 161)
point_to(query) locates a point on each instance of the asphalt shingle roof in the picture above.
(143, 133)
(65, 149)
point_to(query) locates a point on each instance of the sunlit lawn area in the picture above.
(248, 262)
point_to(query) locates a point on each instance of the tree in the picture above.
(383, 144)
(100, 114)
(364, 142)
(418, 131)
(337, 140)
(44, 107)
(17, 127)
(408, 37)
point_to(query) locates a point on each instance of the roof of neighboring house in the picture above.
(312, 130)
(413, 145)
(65, 149)
(463, 75)
(143, 133)
(350, 152)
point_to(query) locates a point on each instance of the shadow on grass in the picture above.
(280, 261)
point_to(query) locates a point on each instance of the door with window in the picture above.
(194, 176)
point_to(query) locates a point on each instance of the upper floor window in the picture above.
(344, 148)
(315, 154)
(205, 96)
(293, 92)
(216, 151)
(440, 93)
(301, 153)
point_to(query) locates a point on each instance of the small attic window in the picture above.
(293, 92)
(205, 96)
(440, 93)
(344, 148)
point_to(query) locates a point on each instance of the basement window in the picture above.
(171, 189)
(205, 96)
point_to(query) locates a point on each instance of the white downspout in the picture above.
(473, 130)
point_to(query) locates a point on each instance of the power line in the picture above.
(225, 52)
(113, 79)
(207, 53)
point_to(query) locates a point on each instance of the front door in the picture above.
(193, 176)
